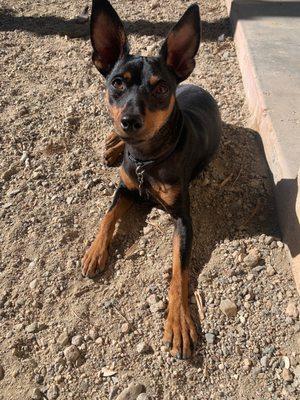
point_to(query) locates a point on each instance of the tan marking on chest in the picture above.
(167, 194)
(129, 183)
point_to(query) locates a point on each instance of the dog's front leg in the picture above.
(96, 256)
(114, 148)
(179, 328)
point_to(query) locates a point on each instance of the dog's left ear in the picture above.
(182, 43)
(108, 36)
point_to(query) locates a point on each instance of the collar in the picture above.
(141, 165)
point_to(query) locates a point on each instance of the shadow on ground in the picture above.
(52, 25)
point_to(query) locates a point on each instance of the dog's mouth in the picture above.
(130, 139)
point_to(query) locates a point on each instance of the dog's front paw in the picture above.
(180, 332)
(94, 260)
(114, 147)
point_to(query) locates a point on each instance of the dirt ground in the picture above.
(54, 189)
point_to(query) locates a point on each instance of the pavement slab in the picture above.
(267, 36)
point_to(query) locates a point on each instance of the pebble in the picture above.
(143, 348)
(125, 328)
(94, 333)
(252, 259)
(264, 362)
(132, 392)
(143, 396)
(53, 392)
(33, 284)
(33, 328)
(77, 340)
(2, 373)
(157, 307)
(247, 364)
(108, 372)
(210, 338)
(291, 310)
(287, 375)
(286, 362)
(152, 299)
(37, 394)
(63, 339)
(270, 270)
(228, 308)
(72, 353)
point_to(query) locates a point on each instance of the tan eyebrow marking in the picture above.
(127, 75)
(153, 79)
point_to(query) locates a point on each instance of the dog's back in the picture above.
(202, 123)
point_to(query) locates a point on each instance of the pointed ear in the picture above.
(182, 43)
(108, 36)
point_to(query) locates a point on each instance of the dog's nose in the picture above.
(131, 123)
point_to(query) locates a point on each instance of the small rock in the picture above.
(2, 373)
(152, 299)
(94, 333)
(270, 270)
(143, 348)
(228, 308)
(287, 375)
(268, 240)
(37, 394)
(247, 364)
(24, 157)
(39, 379)
(33, 284)
(157, 307)
(63, 339)
(264, 362)
(143, 396)
(32, 328)
(221, 38)
(99, 340)
(72, 353)
(286, 362)
(252, 259)
(53, 392)
(292, 310)
(108, 372)
(125, 328)
(132, 392)
(210, 338)
(77, 340)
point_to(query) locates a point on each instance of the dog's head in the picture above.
(141, 90)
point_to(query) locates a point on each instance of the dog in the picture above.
(168, 134)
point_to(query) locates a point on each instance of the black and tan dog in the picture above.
(170, 133)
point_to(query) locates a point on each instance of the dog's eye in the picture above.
(118, 84)
(161, 89)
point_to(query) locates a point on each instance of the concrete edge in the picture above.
(288, 204)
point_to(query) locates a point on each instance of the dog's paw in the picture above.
(114, 147)
(94, 261)
(112, 155)
(180, 332)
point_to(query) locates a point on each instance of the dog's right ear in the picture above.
(108, 36)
